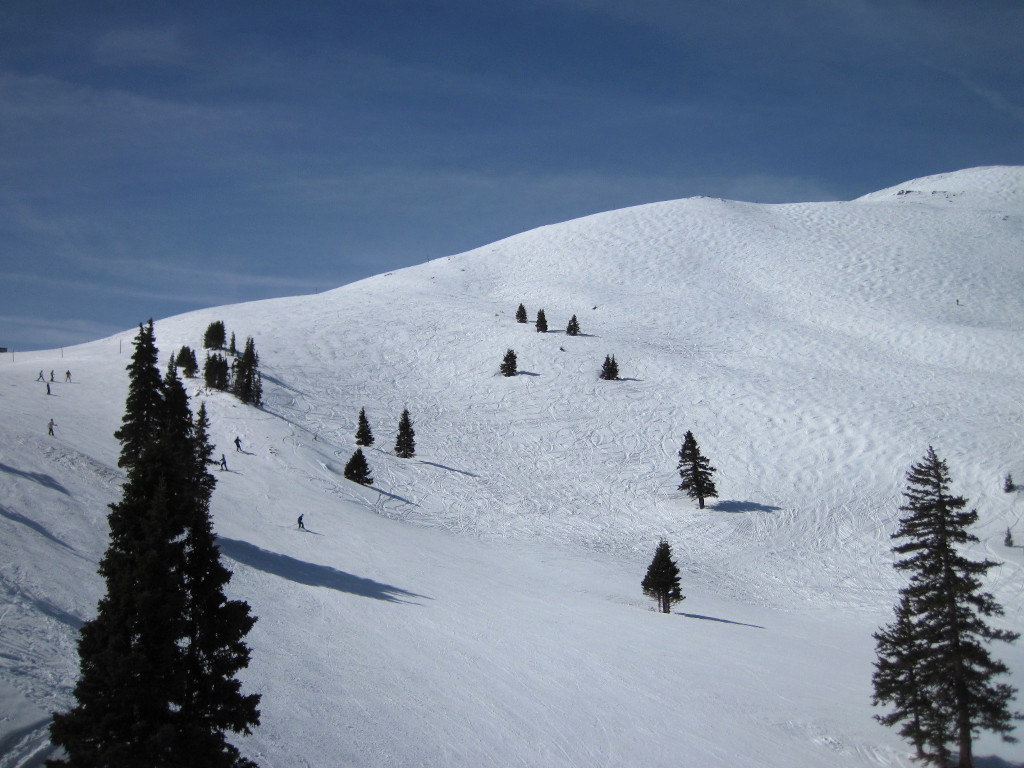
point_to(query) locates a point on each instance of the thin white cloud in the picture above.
(140, 45)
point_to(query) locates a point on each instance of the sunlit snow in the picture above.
(479, 605)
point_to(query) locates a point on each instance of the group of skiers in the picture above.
(42, 377)
(223, 459)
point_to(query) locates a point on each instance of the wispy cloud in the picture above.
(140, 45)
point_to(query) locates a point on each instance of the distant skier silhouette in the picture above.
(41, 377)
(50, 427)
(301, 526)
(238, 443)
(223, 463)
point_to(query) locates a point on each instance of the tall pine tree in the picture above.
(662, 579)
(157, 662)
(937, 649)
(521, 314)
(405, 443)
(695, 471)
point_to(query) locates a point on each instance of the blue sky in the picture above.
(159, 157)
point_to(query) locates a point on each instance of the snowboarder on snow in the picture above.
(223, 463)
(301, 526)
(50, 427)
(67, 376)
(238, 443)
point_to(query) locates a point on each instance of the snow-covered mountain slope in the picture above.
(480, 605)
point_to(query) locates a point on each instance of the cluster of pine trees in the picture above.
(358, 469)
(541, 323)
(508, 367)
(158, 662)
(242, 376)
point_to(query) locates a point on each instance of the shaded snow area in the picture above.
(479, 605)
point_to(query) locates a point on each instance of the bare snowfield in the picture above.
(480, 604)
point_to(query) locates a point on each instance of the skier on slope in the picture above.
(301, 526)
(238, 443)
(50, 426)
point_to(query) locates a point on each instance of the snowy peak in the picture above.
(999, 186)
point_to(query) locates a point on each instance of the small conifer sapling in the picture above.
(662, 579)
(542, 322)
(521, 314)
(405, 443)
(364, 435)
(508, 365)
(357, 470)
(573, 328)
(610, 369)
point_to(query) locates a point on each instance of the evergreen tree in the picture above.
(573, 328)
(247, 383)
(157, 661)
(1008, 485)
(144, 406)
(215, 372)
(542, 322)
(357, 470)
(521, 314)
(610, 369)
(1008, 538)
(662, 579)
(899, 671)
(364, 435)
(186, 360)
(214, 336)
(213, 701)
(937, 650)
(231, 347)
(405, 443)
(695, 470)
(508, 365)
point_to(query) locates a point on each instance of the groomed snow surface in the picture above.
(480, 605)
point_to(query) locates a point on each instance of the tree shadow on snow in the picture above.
(743, 506)
(38, 477)
(311, 574)
(14, 517)
(526, 373)
(450, 469)
(993, 761)
(723, 621)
